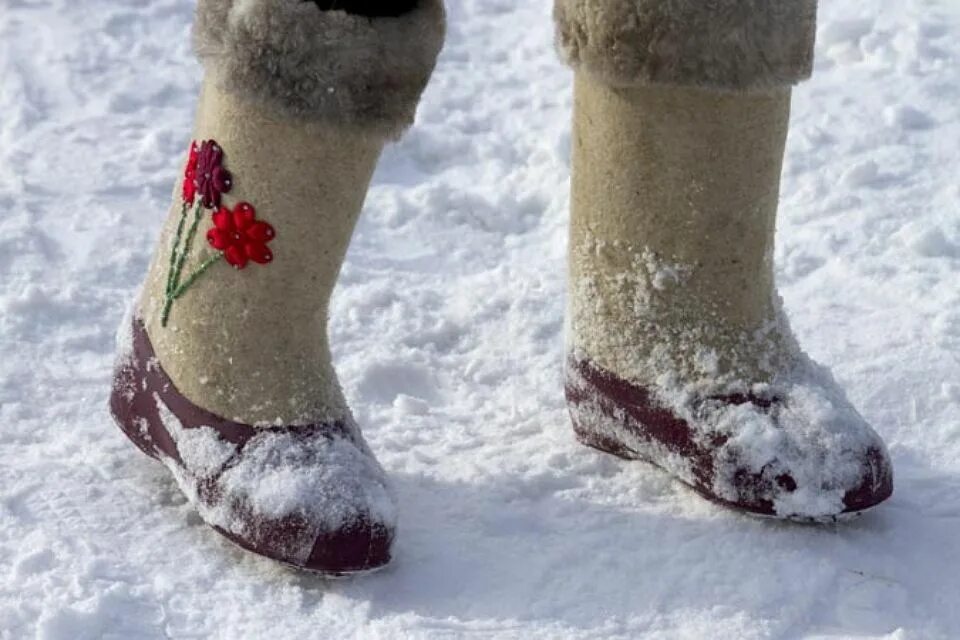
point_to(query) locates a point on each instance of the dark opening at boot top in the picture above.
(368, 8)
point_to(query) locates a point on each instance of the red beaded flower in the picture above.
(210, 177)
(190, 175)
(240, 236)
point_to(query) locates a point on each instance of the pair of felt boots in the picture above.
(679, 354)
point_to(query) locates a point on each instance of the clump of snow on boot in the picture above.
(324, 482)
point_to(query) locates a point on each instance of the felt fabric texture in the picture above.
(721, 44)
(322, 66)
(251, 345)
(674, 200)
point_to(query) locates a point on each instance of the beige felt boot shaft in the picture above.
(674, 201)
(251, 345)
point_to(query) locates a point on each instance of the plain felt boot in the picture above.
(224, 371)
(679, 353)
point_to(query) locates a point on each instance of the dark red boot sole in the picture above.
(620, 412)
(140, 384)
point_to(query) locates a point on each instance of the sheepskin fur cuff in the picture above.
(317, 65)
(733, 45)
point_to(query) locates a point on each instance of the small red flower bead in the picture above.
(240, 236)
(190, 174)
(211, 177)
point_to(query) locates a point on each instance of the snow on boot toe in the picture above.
(804, 454)
(808, 455)
(311, 496)
(312, 500)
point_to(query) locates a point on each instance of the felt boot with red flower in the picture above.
(224, 372)
(679, 352)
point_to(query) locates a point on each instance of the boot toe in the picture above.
(796, 449)
(359, 547)
(320, 503)
(819, 495)
(808, 456)
(876, 483)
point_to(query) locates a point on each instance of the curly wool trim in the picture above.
(322, 66)
(732, 45)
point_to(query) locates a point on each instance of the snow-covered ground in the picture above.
(448, 335)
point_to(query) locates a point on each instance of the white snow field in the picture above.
(448, 332)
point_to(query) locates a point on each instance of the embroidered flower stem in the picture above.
(191, 234)
(179, 259)
(189, 282)
(176, 245)
(168, 303)
(181, 289)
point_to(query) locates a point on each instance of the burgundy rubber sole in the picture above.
(620, 407)
(140, 384)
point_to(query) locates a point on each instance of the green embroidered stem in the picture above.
(191, 234)
(183, 288)
(174, 288)
(209, 262)
(176, 245)
(166, 311)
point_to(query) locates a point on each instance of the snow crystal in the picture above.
(662, 274)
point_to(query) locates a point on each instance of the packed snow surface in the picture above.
(447, 329)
